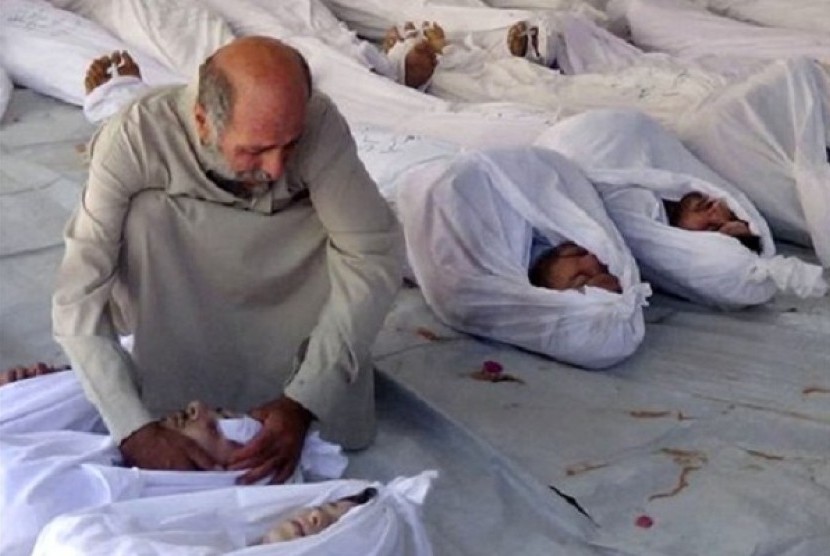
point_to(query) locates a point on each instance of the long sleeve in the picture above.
(364, 252)
(81, 310)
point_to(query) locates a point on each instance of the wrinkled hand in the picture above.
(276, 449)
(154, 446)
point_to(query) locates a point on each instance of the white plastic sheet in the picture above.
(232, 521)
(468, 224)
(634, 164)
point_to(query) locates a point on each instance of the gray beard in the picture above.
(216, 163)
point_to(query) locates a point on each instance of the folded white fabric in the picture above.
(6, 88)
(469, 223)
(232, 521)
(49, 50)
(635, 164)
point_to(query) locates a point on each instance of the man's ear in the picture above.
(202, 123)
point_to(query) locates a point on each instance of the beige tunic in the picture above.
(220, 292)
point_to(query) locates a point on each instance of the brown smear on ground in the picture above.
(495, 377)
(646, 414)
(764, 455)
(580, 468)
(643, 414)
(689, 460)
(815, 390)
(429, 335)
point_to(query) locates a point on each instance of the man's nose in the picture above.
(273, 163)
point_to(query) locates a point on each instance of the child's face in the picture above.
(575, 267)
(200, 423)
(699, 212)
(309, 521)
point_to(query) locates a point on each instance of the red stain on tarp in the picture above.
(492, 371)
(492, 367)
(644, 522)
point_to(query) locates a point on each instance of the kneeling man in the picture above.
(229, 226)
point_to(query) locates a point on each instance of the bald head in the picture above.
(251, 61)
(250, 65)
(251, 104)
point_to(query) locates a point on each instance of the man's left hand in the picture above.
(276, 449)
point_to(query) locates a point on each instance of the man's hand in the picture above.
(276, 449)
(154, 446)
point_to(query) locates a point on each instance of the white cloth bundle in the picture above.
(46, 471)
(231, 521)
(6, 88)
(49, 50)
(688, 31)
(635, 163)
(469, 223)
(781, 120)
(180, 34)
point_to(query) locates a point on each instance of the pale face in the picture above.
(200, 423)
(309, 521)
(699, 212)
(576, 267)
(256, 144)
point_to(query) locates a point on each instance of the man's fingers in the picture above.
(284, 471)
(257, 473)
(263, 442)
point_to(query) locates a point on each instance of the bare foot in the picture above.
(517, 39)
(21, 373)
(392, 37)
(124, 64)
(101, 69)
(434, 33)
(97, 74)
(420, 64)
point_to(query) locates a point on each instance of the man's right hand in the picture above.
(154, 446)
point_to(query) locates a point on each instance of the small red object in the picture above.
(492, 367)
(644, 521)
